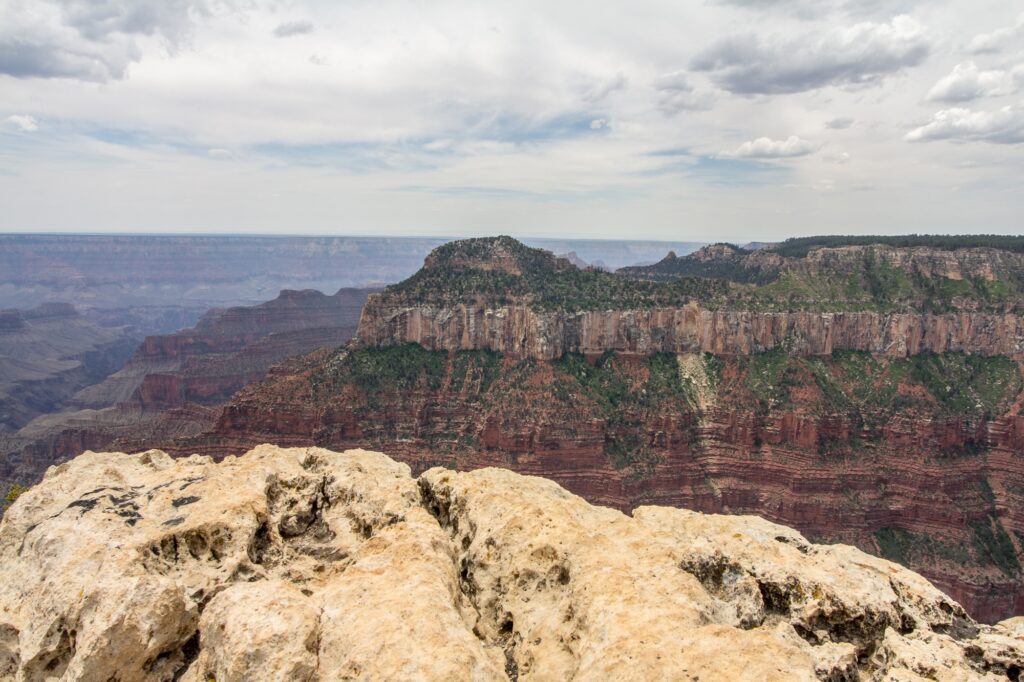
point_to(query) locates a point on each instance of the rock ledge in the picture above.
(307, 564)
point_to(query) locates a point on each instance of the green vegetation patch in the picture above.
(13, 493)
(767, 376)
(799, 247)
(381, 371)
(993, 543)
(967, 384)
(907, 548)
(625, 402)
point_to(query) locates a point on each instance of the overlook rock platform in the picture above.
(307, 564)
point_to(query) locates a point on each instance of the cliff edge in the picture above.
(309, 564)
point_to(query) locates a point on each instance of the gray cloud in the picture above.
(840, 123)
(1003, 126)
(676, 94)
(90, 40)
(767, 148)
(606, 87)
(809, 9)
(293, 28)
(861, 54)
(967, 82)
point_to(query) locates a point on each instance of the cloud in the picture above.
(967, 82)
(293, 28)
(859, 55)
(676, 94)
(841, 123)
(1003, 126)
(838, 157)
(25, 124)
(91, 40)
(604, 88)
(218, 153)
(767, 148)
(987, 43)
(810, 9)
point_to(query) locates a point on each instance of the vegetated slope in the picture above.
(47, 354)
(317, 565)
(173, 383)
(928, 275)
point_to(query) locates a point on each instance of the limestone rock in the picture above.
(306, 564)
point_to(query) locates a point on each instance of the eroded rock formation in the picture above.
(316, 565)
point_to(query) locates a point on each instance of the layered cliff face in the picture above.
(318, 565)
(521, 330)
(172, 385)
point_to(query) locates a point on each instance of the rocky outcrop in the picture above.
(318, 565)
(523, 331)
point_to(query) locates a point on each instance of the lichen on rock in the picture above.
(307, 564)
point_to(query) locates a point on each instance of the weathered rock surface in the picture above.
(306, 564)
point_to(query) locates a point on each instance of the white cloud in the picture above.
(1003, 126)
(26, 124)
(967, 82)
(862, 54)
(533, 98)
(767, 148)
(987, 43)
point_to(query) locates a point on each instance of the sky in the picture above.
(701, 120)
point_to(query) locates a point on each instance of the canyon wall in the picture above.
(522, 331)
(173, 383)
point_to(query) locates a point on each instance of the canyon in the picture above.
(172, 385)
(309, 564)
(49, 353)
(854, 419)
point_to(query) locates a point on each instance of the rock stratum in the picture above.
(307, 564)
(547, 335)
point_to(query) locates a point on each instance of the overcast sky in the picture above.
(697, 120)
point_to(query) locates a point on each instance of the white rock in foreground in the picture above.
(306, 564)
